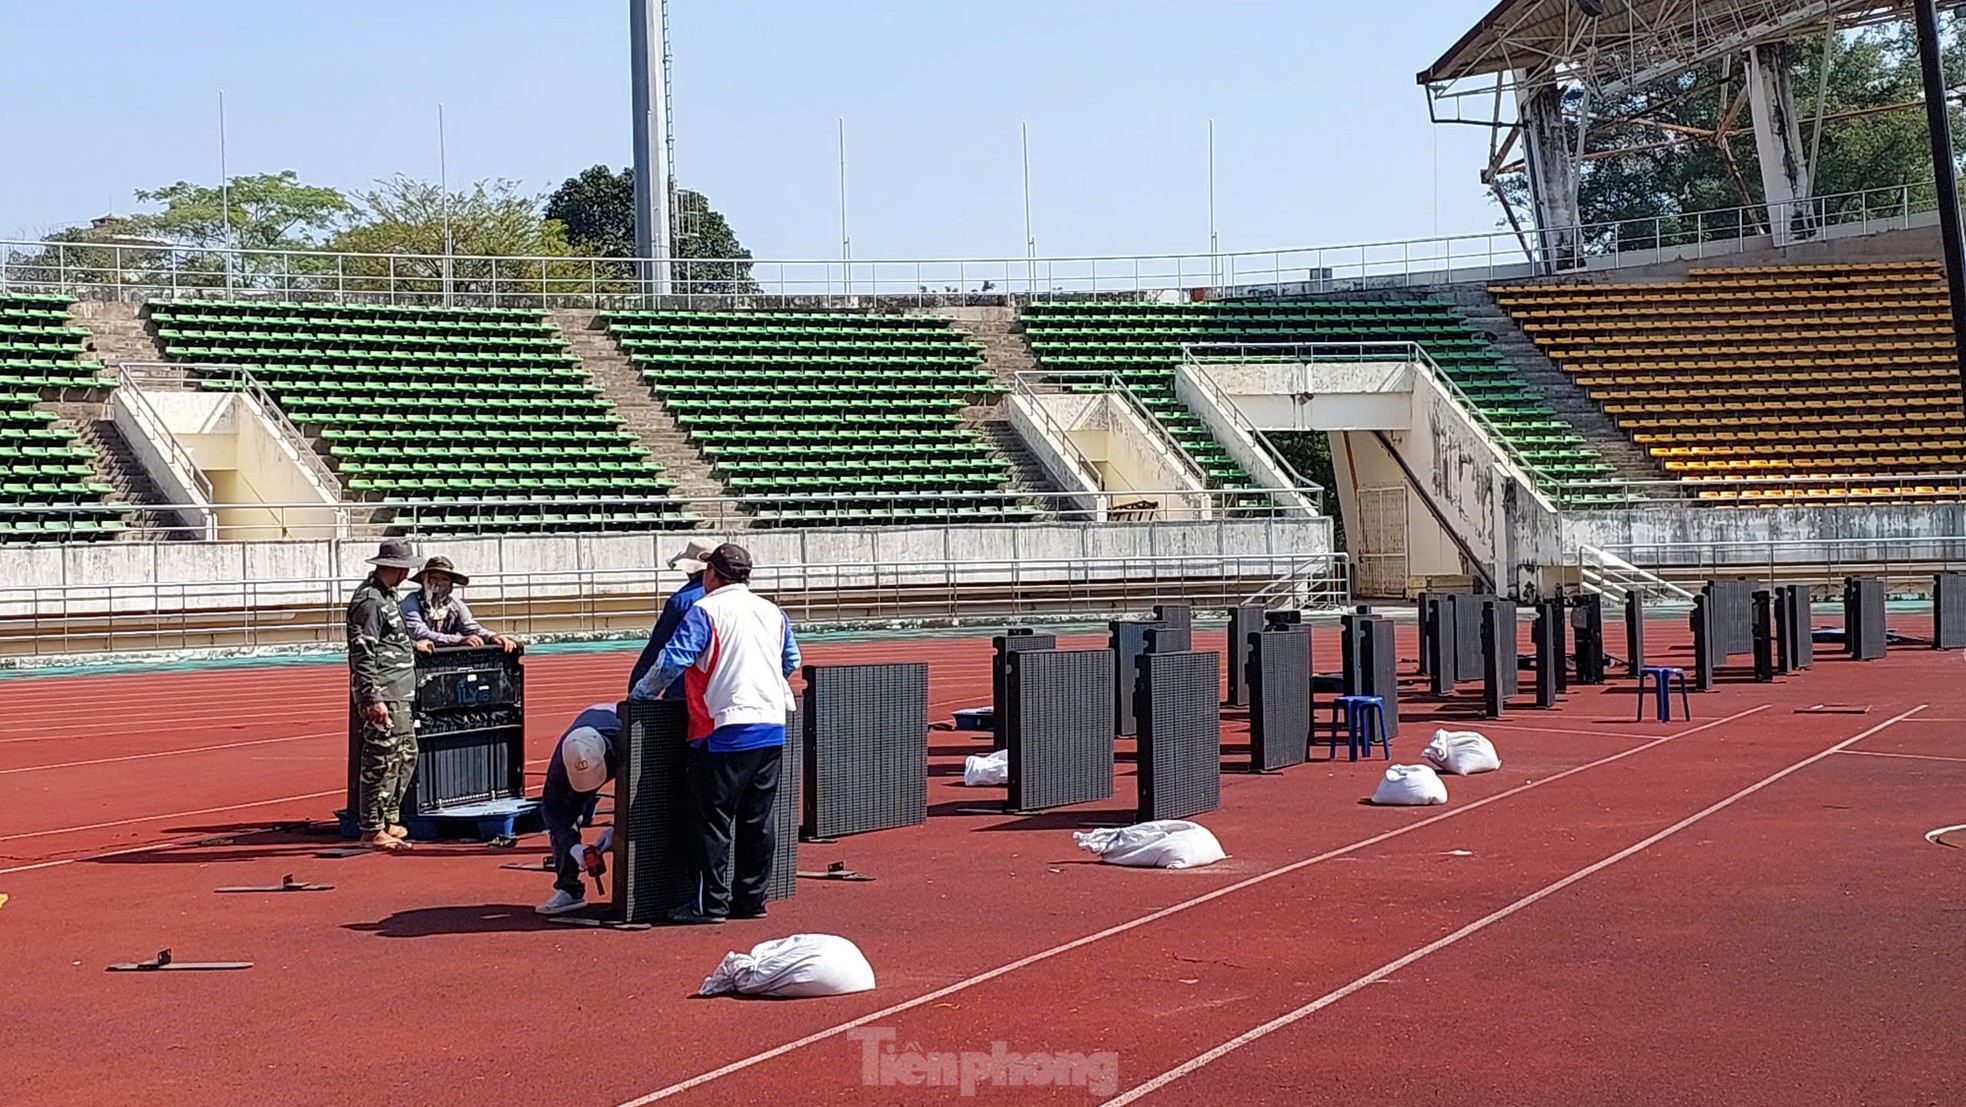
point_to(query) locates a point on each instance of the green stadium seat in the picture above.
(449, 404)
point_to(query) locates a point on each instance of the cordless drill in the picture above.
(595, 862)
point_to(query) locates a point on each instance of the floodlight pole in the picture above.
(650, 101)
(1944, 175)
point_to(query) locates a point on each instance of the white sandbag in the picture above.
(1161, 844)
(983, 769)
(1410, 786)
(793, 968)
(1461, 752)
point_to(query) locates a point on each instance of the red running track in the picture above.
(1771, 926)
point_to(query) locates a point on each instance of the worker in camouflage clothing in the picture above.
(382, 684)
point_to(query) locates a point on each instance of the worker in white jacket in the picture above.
(734, 651)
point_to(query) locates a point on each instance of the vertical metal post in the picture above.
(1214, 248)
(225, 195)
(846, 242)
(650, 98)
(1944, 176)
(1030, 243)
(444, 193)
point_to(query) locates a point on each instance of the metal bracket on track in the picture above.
(835, 871)
(163, 963)
(287, 884)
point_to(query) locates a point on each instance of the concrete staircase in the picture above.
(117, 333)
(1572, 404)
(1005, 354)
(117, 465)
(640, 411)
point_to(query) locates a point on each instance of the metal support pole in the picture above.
(650, 96)
(846, 242)
(1214, 248)
(1030, 243)
(225, 195)
(1944, 175)
(444, 192)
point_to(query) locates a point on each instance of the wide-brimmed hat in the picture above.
(694, 555)
(443, 565)
(394, 553)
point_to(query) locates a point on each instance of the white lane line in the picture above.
(1908, 756)
(1488, 725)
(155, 818)
(1483, 923)
(169, 753)
(1132, 924)
(171, 815)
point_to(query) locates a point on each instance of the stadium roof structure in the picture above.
(1614, 46)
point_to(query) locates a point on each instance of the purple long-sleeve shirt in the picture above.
(451, 627)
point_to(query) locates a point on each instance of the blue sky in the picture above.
(1321, 135)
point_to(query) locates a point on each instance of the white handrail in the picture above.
(1113, 383)
(1249, 430)
(159, 431)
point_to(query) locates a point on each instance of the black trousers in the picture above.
(563, 810)
(731, 795)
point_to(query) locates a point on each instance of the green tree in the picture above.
(181, 245)
(265, 211)
(597, 207)
(490, 238)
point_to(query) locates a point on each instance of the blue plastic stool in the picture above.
(1363, 716)
(1661, 677)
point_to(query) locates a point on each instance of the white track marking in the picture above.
(1936, 837)
(1909, 756)
(168, 753)
(154, 818)
(173, 815)
(1487, 725)
(1483, 923)
(1121, 928)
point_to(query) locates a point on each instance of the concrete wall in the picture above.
(248, 460)
(1481, 496)
(1685, 534)
(147, 440)
(1361, 395)
(1056, 454)
(1102, 431)
(1218, 411)
(127, 576)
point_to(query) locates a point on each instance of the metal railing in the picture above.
(1905, 563)
(1030, 382)
(1257, 439)
(492, 515)
(1062, 438)
(306, 615)
(1762, 490)
(191, 375)
(129, 387)
(1604, 572)
(1307, 355)
(169, 270)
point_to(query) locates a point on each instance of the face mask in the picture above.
(433, 595)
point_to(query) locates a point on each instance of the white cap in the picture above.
(585, 754)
